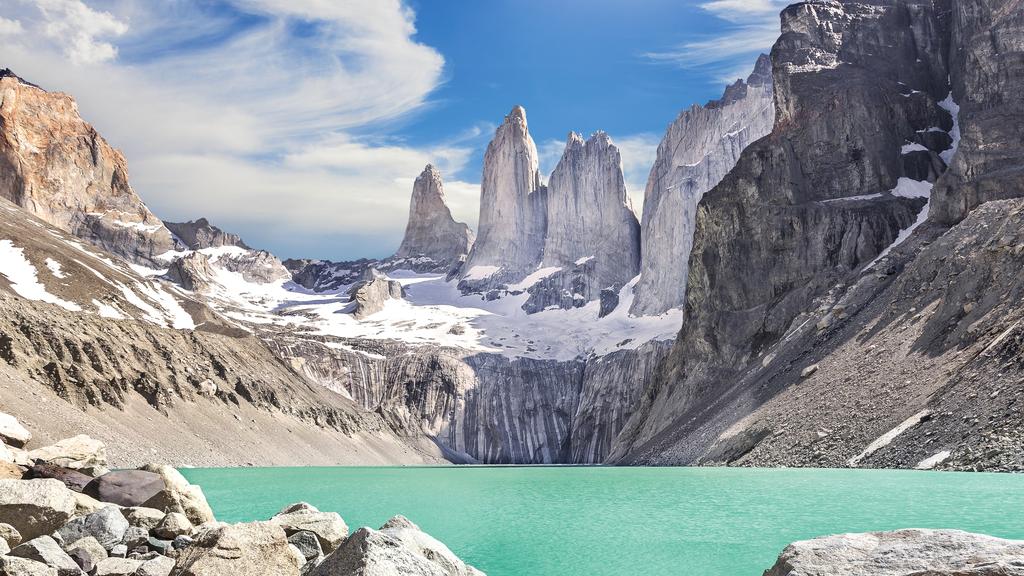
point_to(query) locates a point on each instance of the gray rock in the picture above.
(371, 296)
(107, 525)
(398, 547)
(902, 552)
(12, 566)
(199, 234)
(118, 567)
(609, 302)
(73, 479)
(191, 271)
(35, 507)
(173, 525)
(12, 432)
(142, 517)
(119, 551)
(90, 548)
(307, 543)
(513, 204)
(46, 550)
(182, 541)
(238, 550)
(328, 527)
(179, 495)
(10, 534)
(431, 232)
(80, 453)
(4, 547)
(159, 545)
(135, 536)
(156, 566)
(698, 150)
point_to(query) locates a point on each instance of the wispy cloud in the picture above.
(252, 114)
(753, 28)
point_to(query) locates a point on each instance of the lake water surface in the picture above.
(596, 521)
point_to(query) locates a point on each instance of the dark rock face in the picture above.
(987, 70)
(191, 272)
(371, 296)
(431, 232)
(199, 234)
(125, 487)
(789, 220)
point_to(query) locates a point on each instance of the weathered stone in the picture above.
(134, 537)
(85, 505)
(431, 232)
(74, 180)
(307, 543)
(35, 507)
(173, 525)
(238, 550)
(200, 234)
(119, 551)
(159, 545)
(118, 567)
(73, 479)
(371, 296)
(903, 552)
(46, 550)
(13, 566)
(107, 526)
(399, 547)
(86, 552)
(146, 518)
(328, 527)
(80, 453)
(155, 566)
(11, 471)
(182, 541)
(4, 547)
(5, 453)
(10, 534)
(179, 496)
(12, 432)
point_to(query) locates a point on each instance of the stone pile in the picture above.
(63, 513)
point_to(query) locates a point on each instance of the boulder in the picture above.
(73, 479)
(173, 525)
(179, 496)
(399, 547)
(307, 544)
(10, 535)
(13, 566)
(159, 545)
(86, 552)
(10, 471)
(5, 453)
(126, 487)
(12, 432)
(118, 567)
(156, 565)
(107, 526)
(328, 527)
(901, 553)
(35, 507)
(238, 550)
(81, 453)
(85, 505)
(142, 517)
(119, 551)
(134, 537)
(46, 550)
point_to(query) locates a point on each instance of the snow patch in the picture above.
(887, 438)
(914, 147)
(23, 277)
(55, 269)
(481, 272)
(583, 261)
(933, 461)
(108, 311)
(954, 110)
(907, 188)
(537, 276)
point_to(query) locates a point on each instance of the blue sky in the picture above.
(300, 124)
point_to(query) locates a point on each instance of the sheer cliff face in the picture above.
(987, 71)
(432, 232)
(698, 150)
(510, 236)
(811, 202)
(589, 214)
(56, 166)
(200, 234)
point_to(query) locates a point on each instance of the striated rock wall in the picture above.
(56, 166)
(431, 232)
(810, 202)
(199, 234)
(700, 147)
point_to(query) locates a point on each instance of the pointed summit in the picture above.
(431, 231)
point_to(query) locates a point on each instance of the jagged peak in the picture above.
(517, 116)
(600, 137)
(573, 138)
(762, 73)
(430, 171)
(8, 73)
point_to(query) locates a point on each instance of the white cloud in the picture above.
(256, 130)
(731, 54)
(9, 27)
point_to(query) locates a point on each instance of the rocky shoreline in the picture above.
(63, 513)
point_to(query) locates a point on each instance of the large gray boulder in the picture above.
(902, 553)
(179, 495)
(328, 527)
(14, 566)
(372, 295)
(238, 550)
(35, 507)
(12, 432)
(126, 487)
(46, 550)
(399, 547)
(82, 453)
(431, 232)
(106, 525)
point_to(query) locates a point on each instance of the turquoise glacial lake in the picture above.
(597, 521)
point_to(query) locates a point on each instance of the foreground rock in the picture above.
(238, 550)
(399, 547)
(902, 553)
(35, 507)
(12, 432)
